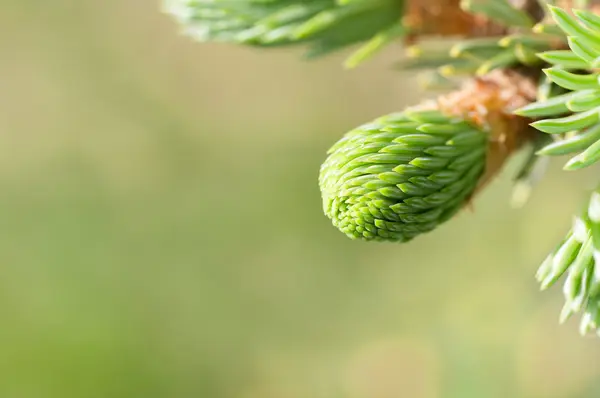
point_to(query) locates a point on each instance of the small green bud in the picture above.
(406, 173)
(402, 175)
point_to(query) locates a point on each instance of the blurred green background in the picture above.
(162, 232)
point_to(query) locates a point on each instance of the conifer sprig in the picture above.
(577, 259)
(324, 25)
(573, 118)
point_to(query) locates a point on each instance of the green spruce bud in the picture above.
(406, 173)
(402, 175)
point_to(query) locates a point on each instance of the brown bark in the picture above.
(445, 18)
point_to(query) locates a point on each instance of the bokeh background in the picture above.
(162, 232)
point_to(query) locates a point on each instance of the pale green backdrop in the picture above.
(162, 232)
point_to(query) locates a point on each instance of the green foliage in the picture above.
(576, 258)
(406, 173)
(573, 117)
(402, 175)
(326, 25)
